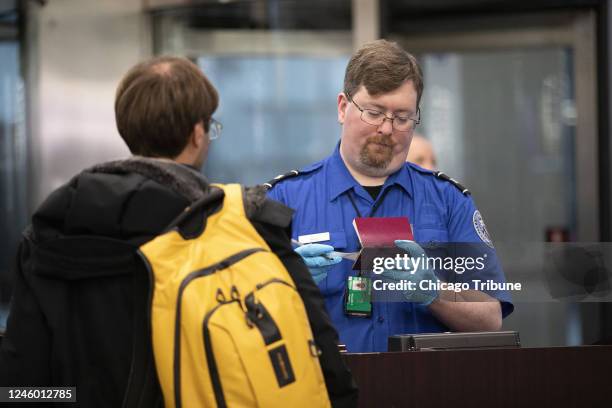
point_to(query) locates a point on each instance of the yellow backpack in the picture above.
(229, 327)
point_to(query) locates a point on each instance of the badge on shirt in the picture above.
(481, 228)
(312, 238)
(358, 296)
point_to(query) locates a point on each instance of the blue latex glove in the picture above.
(318, 259)
(423, 297)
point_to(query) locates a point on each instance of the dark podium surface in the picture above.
(515, 377)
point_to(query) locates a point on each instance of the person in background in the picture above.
(367, 176)
(80, 306)
(421, 153)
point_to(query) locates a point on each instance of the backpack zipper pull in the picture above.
(220, 296)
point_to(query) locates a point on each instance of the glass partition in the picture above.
(278, 66)
(510, 107)
(278, 113)
(503, 122)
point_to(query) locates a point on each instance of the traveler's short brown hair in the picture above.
(382, 66)
(158, 103)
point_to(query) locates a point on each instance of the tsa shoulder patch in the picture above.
(481, 228)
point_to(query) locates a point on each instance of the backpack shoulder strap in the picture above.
(233, 204)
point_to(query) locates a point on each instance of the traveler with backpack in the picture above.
(100, 303)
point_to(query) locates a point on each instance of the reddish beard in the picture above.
(377, 152)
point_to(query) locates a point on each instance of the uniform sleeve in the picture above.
(275, 193)
(461, 226)
(467, 228)
(338, 379)
(24, 354)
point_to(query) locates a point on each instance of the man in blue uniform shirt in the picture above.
(366, 176)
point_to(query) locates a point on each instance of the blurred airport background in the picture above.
(516, 103)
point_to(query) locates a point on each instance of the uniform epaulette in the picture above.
(279, 178)
(443, 176)
(293, 173)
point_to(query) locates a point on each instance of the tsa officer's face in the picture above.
(376, 150)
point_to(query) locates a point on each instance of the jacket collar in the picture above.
(184, 180)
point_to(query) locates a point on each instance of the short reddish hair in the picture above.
(382, 66)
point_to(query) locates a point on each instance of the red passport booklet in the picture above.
(379, 232)
(382, 231)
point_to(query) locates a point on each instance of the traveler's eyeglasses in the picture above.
(377, 118)
(214, 129)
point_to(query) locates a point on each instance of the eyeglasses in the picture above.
(377, 118)
(215, 127)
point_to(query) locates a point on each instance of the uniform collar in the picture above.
(403, 178)
(342, 180)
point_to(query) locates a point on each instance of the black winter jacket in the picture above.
(79, 309)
